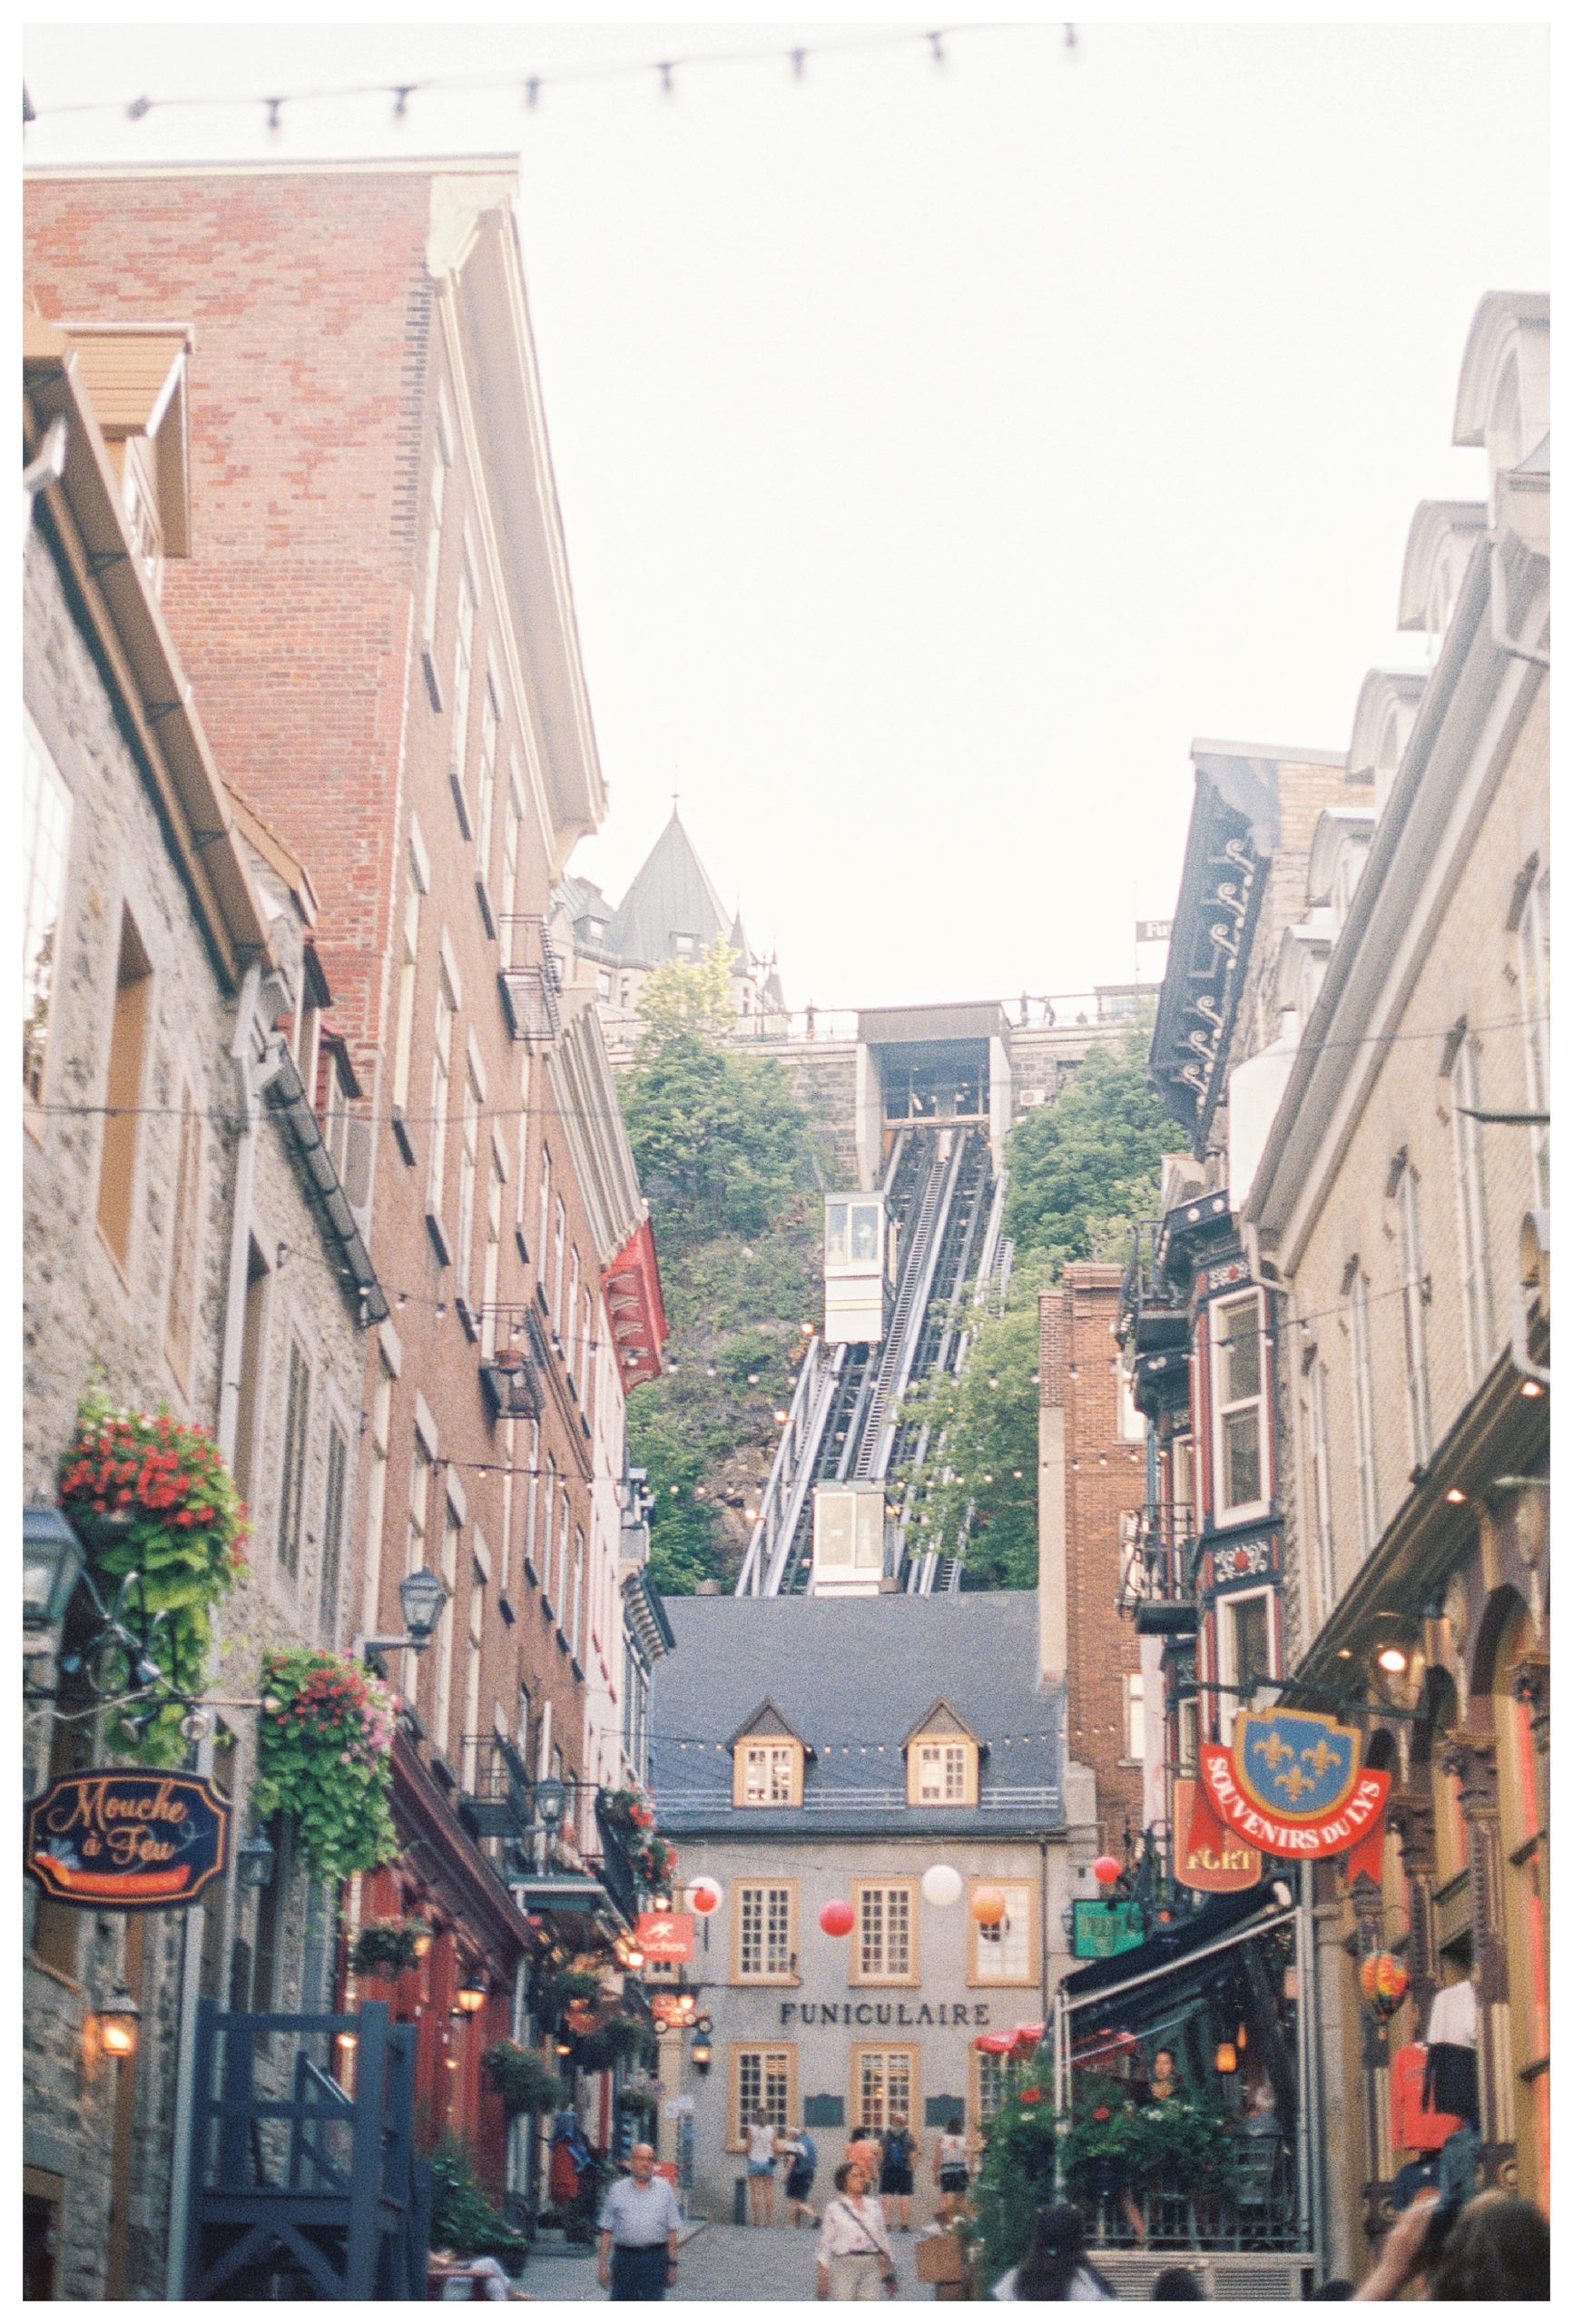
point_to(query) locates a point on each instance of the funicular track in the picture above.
(845, 1421)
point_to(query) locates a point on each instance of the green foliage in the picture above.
(152, 1496)
(1180, 2143)
(522, 2079)
(1016, 2175)
(463, 2220)
(688, 997)
(322, 1756)
(610, 2044)
(987, 1416)
(386, 1948)
(1084, 1169)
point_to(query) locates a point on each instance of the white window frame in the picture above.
(1534, 970)
(769, 1774)
(766, 1931)
(1474, 1237)
(1002, 1950)
(1230, 1704)
(1362, 1394)
(950, 1762)
(1415, 1293)
(1135, 1719)
(1224, 1409)
(884, 1940)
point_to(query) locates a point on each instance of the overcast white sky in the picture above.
(941, 449)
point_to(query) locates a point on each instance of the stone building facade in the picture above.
(1399, 1198)
(166, 935)
(380, 620)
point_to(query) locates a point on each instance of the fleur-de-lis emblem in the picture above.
(1275, 1751)
(1320, 1756)
(1293, 1781)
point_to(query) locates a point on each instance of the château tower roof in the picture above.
(672, 895)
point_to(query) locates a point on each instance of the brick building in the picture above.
(182, 1250)
(378, 614)
(1090, 1456)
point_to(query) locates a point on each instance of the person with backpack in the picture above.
(853, 2259)
(952, 2162)
(896, 2169)
(802, 2161)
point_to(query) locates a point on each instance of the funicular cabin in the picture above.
(860, 1267)
(848, 1540)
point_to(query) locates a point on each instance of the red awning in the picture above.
(1019, 2043)
(1102, 2048)
(1025, 2040)
(631, 1285)
(994, 2045)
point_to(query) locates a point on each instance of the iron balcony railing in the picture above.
(532, 983)
(1157, 1586)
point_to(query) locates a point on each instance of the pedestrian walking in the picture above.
(802, 2161)
(896, 2170)
(952, 2162)
(863, 2148)
(1057, 2267)
(853, 2259)
(639, 2223)
(761, 2144)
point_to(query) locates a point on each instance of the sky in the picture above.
(943, 445)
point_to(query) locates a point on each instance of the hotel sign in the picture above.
(1291, 1784)
(126, 1839)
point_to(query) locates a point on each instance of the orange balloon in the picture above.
(988, 1907)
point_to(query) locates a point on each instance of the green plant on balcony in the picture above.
(323, 1756)
(1016, 2174)
(152, 1496)
(386, 1948)
(522, 2079)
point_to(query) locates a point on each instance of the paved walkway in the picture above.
(720, 2263)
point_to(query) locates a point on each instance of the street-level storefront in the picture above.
(872, 1788)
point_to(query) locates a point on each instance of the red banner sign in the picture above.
(664, 1936)
(1278, 1832)
(126, 1839)
(1208, 1855)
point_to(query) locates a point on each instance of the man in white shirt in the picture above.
(639, 2223)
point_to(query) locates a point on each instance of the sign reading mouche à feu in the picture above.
(664, 1936)
(126, 1839)
(1291, 1784)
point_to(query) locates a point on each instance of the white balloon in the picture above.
(941, 1885)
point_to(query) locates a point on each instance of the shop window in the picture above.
(884, 2084)
(763, 2081)
(1004, 1951)
(1239, 1395)
(764, 1930)
(884, 1935)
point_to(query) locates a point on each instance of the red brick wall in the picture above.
(312, 412)
(1105, 1475)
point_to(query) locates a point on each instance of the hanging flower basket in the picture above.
(522, 2079)
(152, 1496)
(323, 1756)
(386, 1948)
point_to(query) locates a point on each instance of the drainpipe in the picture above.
(228, 1412)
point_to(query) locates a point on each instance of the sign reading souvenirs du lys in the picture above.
(1292, 1785)
(126, 1839)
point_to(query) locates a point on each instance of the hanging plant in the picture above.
(627, 1810)
(640, 2104)
(152, 1496)
(322, 1756)
(386, 1948)
(566, 1989)
(522, 2079)
(609, 2044)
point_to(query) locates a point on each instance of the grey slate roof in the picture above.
(854, 1675)
(672, 894)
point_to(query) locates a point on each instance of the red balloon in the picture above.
(836, 1918)
(1107, 1869)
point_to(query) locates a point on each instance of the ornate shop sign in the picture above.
(664, 1936)
(1291, 1784)
(1208, 1855)
(126, 1839)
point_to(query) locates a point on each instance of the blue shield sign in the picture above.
(1295, 1763)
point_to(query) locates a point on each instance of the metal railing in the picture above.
(1158, 1547)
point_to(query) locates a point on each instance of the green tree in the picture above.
(1084, 1168)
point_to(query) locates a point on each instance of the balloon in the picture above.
(988, 1907)
(1384, 1981)
(836, 1918)
(705, 1897)
(1107, 1868)
(941, 1885)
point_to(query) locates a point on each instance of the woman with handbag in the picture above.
(853, 2259)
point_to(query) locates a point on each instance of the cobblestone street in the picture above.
(718, 2263)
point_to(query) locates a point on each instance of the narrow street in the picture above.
(754, 2263)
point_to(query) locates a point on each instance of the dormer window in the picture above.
(942, 1761)
(141, 502)
(685, 947)
(767, 1762)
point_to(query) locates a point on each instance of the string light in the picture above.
(665, 69)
